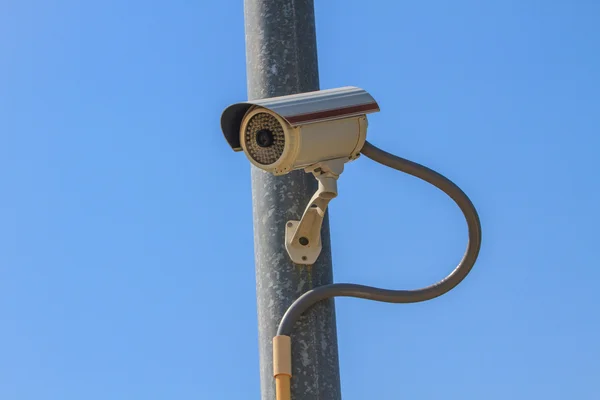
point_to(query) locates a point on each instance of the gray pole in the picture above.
(281, 54)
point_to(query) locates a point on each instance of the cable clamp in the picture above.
(282, 355)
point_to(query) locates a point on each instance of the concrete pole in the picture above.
(281, 57)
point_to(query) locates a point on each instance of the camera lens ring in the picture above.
(264, 138)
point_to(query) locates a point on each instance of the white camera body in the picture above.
(281, 134)
(316, 131)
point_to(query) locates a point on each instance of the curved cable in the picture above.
(313, 296)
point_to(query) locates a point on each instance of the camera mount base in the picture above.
(303, 238)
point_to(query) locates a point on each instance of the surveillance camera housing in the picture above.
(316, 131)
(284, 133)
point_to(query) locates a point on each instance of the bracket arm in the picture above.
(303, 238)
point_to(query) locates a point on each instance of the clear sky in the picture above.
(126, 249)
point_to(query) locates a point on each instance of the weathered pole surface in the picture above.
(281, 56)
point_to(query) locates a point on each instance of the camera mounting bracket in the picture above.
(303, 238)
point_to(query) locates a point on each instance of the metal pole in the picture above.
(281, 54)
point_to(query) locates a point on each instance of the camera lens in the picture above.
(264, 138)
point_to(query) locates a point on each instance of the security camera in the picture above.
(316, 131)
(281, 134)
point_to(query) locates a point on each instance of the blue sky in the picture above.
(126, 249)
